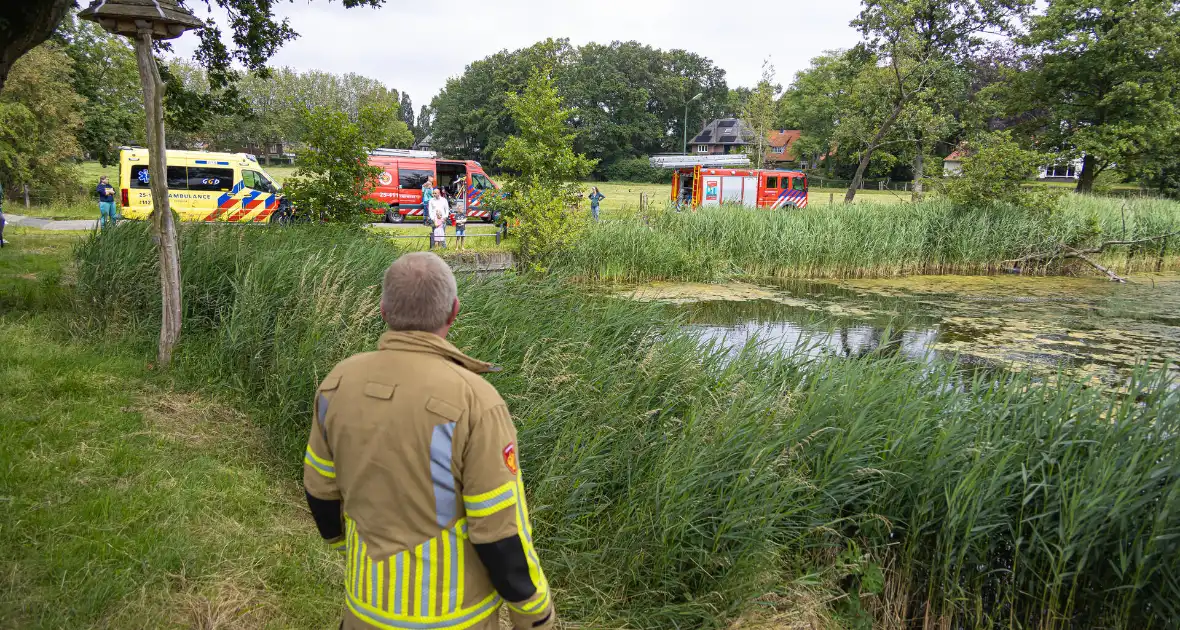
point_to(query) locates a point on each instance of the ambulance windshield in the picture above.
(255, 180)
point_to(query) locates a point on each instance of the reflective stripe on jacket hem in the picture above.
(457, 621)
(424, 583)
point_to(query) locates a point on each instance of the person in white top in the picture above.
(440, 211)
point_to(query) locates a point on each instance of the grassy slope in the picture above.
(669, 484)
(128, 504)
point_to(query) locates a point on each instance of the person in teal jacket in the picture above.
(595, 198)
(106, 202)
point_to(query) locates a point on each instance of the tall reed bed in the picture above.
(673, 484)
(866, 240)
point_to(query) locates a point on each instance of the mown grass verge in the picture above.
(867, 240)
(127, 502)
(673, 485)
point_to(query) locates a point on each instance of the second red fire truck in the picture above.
(711, 180)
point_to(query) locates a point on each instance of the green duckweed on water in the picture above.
(1085, 326)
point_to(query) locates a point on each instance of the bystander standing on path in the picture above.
(427, 195)
(439, 212)
(106, 202)
(595, 198)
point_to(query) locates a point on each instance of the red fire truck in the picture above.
(403, 172)
(711, 180)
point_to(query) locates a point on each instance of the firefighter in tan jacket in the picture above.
(412, 470)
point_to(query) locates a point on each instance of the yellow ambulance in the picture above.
(202, 186)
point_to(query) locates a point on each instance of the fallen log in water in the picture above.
(1065, 251)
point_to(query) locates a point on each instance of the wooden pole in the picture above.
(162, 221)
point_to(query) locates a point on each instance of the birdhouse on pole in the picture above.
(166, 19)
(143, 21)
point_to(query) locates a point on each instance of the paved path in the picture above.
(78, 225)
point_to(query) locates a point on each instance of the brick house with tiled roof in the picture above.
(724, 136)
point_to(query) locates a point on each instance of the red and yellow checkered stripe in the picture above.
(242, 205)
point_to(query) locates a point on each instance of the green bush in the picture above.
(333, 176)
(995, 173)
(672, 484)
(636, 169)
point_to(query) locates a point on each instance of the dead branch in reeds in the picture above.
(1064, 251)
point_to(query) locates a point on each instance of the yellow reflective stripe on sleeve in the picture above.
(537, 606)
(404, 605)
(525, 531)
(323, 466)
(379, 585)
(491, 502)
(531, 608)
(366, 575)
(351, 555)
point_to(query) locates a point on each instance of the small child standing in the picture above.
(459, 215)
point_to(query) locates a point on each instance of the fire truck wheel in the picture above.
(393, 216)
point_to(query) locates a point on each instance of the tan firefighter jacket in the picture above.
(422, 453)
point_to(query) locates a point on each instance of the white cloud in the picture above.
(415, 46)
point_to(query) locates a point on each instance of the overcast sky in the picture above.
(415, 46)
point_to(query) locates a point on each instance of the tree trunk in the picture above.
(859, 178)
(1089, 172)
(919, 173)
(162, 221)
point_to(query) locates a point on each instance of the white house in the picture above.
(953, 163)
(1068, 171)
(1061, 172)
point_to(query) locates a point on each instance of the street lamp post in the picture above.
(684, 147)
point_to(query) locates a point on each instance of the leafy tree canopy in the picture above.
(40, 116)
(106, 76)
(1107, 81)
(995, 170)
(627, 98)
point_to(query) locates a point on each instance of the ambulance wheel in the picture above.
(282, 216)
(393, 216)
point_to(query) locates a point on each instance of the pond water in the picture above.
(1089, 327)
